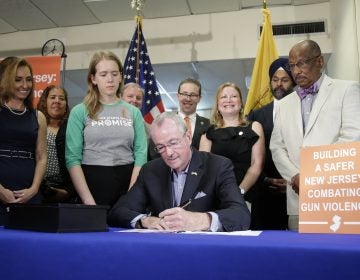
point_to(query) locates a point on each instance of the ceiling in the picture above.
(24, 15)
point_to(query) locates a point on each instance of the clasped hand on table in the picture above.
(178, 219)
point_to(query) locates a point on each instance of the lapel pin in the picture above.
(241, 133)
(194, 173)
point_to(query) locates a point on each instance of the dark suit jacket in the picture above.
(264, 115)
(269, 209)
(201, 125)
(211, 174)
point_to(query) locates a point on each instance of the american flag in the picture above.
(138, 69)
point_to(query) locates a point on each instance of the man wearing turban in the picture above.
(272, 197)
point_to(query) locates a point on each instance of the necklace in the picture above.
(15, 113)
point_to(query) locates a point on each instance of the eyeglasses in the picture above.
(172, 144)
(191, 95)
(302, 63)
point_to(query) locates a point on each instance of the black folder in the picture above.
(59, 217)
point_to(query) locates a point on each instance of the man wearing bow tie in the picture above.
(321, 111)
(184, 189)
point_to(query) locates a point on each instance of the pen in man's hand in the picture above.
(185, 204)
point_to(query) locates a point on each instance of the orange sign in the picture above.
(330, 189)
(46, 71)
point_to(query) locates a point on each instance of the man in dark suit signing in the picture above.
(204, 182)
(272, 197)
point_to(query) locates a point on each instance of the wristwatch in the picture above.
(139, 223)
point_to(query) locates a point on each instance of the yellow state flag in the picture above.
(259, 92)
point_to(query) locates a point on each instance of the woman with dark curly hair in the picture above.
(56, 186)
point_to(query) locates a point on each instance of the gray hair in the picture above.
(178, 120)
(133, 85)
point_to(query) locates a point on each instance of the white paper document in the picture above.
(231, 233)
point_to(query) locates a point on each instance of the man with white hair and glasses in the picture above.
(184, 189)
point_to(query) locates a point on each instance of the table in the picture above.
(113, 255)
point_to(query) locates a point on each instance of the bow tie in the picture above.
(303, 92)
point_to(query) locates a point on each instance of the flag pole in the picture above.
(259, 93)
(138, 69)
(138, 22)
(138, 5)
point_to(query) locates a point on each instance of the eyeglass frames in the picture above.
(302, 63)
(191, 95)
(172, 144)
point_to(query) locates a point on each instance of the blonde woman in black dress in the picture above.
(230, 135)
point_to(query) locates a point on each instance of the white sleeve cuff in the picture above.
(135, 220)
(215, 222)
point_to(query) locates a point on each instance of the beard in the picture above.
(280, 92)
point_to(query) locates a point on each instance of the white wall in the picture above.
(190, 38)
(357, 16)
(345, 26)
